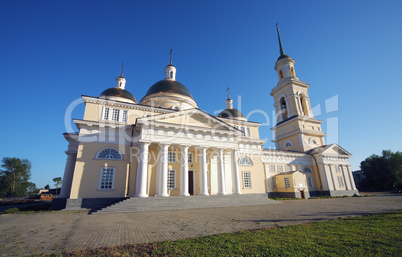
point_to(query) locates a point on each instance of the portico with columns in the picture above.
(214, 156)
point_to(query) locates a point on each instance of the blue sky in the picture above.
(52, 52)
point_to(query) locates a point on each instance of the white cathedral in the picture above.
(165, 146)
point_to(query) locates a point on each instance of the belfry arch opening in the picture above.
(303, 106)
(280, 74)
(171, 74)
(284, 109)
(292, 71)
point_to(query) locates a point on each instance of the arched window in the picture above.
(284, 109)
(281, 74)
(307, 170)
(171, 74)
(292, 71)
(288, 143)
(109, 153)
(245, 161)
(303, 104)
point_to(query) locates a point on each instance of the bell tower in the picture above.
(296, 128)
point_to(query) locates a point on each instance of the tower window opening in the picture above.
(303, 106)
(171, 74)
(292, 71)
(284, 110)
(281, 74)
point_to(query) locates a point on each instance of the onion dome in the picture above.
(118, 93)
(230, 112)
(169, 93)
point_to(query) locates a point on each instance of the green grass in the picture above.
(375, 235)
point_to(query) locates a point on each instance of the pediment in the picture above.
(190, 118)
(335, 149)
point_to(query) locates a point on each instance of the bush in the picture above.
(12, 210)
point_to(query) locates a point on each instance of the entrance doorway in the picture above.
(191, 182)
(302, 194)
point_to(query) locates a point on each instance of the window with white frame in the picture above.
(172, 156)
(245, 161)
(307, 170)
(124, 116)
(246, 179)
(106, 113)
(109, 153)
(288, 168)
(274, 183)
(340, 181)
(272, 168)
(338, 168)
(114, 114)
(171, 179)
(280, 168)
(190, 157)
(106, 180)
(286, 182)
(309, 182)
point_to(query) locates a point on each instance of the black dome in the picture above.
(115, 91)
(168, 86)
(283, 56)
(230, 113)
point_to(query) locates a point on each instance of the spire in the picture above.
(170, 70)
(121, 72)
(121, 81)
(229, 102)
(280, 43)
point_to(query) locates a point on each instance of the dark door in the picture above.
(302, 194)
(191, 182)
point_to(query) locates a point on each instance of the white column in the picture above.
(158, 173)
(164, 171)
(352, 179)
(346, 178)
(184, 171)
(235, 169)
(68, 175)
(203, 172)
(142, 171)
(221, 174)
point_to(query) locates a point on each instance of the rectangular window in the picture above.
(248, 132)
(106, 113)
(106, 178)
(309, 182)
(171, 179)
(247, 179)
(115, 114)
(338, 168)
(287, 182)
(280, 168)
(272, 168)
(190, 157)
(288, 168)
(124, 117)
(274, 186)
(172, 156)
(340, 181)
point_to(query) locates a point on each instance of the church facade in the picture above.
(165, 146)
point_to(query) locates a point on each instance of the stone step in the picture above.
(136, 204)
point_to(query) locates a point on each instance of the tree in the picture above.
(57, 182)
(382, 172)
(14, 176)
